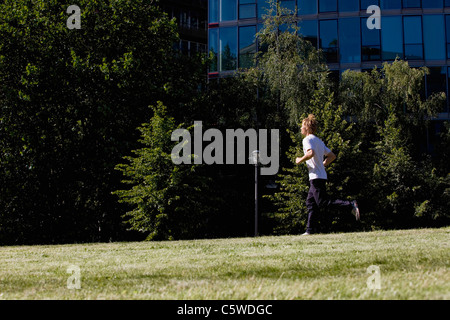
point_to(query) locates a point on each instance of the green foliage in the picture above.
(370, 96)
(70, 101)
(395, 173)
(289, 66)
(409, 191)
(294, 182)
(169, 201)
(375, 123)
(405, 187)
(290, 216)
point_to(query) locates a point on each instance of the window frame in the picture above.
(417, 7)
(426, 41)
(337, 40)
(340, 39)
(236, 9)
(426, 1)
(316, 44)
(364, 25)
(221, 61)
(320, 1)
(400, 20)
(339, 6)
(239, 43)
(252, 3)
(382, 5)
(412, 44)
(371, 2)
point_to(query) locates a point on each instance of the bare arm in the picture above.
(329, 159)
(308, 155)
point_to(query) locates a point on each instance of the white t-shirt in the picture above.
(315, 164)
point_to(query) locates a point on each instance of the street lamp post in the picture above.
(255, 161)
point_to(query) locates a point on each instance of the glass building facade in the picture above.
(191, 17)
(414, 30)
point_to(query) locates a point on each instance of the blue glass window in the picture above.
(349, 40)
(448, 89)
(288, 4)
(434, 37)
(370, 42)
(432, 4)
(447, 28)
(412, 32)
(228, 49)
(391, 4)
(247, 9)
(348, 5)
(327, 5)
(411, 3)
(308, 29)
(447, 3)
(367, 3)
(329, 39)
(436, 82)
(247, 46)
(228, 10)
(307, 6)
(213, 11)
(391, 37)
(263, 8)
(213, 48)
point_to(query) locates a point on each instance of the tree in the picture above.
(376, 123)
(403, 187)
(291, 214)
(168, 201)
(70, 102)
(288, 66)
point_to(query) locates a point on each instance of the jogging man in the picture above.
(314, 152)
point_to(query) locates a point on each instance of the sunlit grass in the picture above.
(413, 264)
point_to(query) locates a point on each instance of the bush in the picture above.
(168, 201)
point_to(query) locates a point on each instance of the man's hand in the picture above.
(308, 155)
(329, 159)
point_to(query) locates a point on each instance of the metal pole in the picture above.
(256, 200)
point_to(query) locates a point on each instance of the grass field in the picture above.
(413, 264)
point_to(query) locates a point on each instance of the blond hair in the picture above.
(310, 123)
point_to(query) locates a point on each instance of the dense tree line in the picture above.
(70, 101)
(86, 117)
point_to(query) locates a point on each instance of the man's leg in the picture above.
(322, 198)
(313, 210)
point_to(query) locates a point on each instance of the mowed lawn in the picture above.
(412, 264)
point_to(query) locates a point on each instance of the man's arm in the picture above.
(308, 155)
(329, 158)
